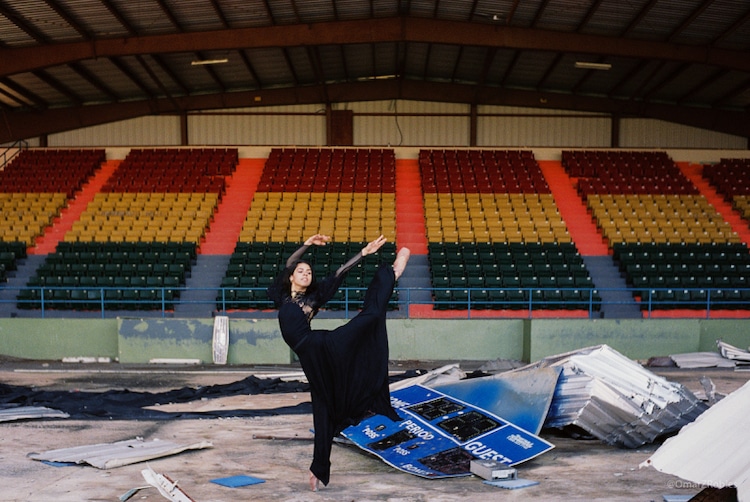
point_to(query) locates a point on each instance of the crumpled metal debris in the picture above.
(712, 451)
(616, 399)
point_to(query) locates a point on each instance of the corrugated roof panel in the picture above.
(13, 36)
(524, 13)
(416, 59)
(454, 11)
(145, 16)
(563, 15)
(713, 449)
(196, 15)
(315, 11)
(114, 79)
(233, 75)
(172, 87)
(28, 412)
(245, 13)
(441, 62)
(352, 9)
(528, 70)
(612, 17)
(38, 87)
(469, 67)
(271, 67)
(358, 60)
(41, 18)
(110, 455)
(387, 58)
(385, 9)
(331, 62)
(615, 399)
(720, 16)
(660, 22)
(78, 85)
(95, 18)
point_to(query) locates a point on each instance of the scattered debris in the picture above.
(110, 455)
(616, 399)
(740, 357)
(238, 481)
(444, 374)
(130, 493)
(167, 360)
(511, 484)
(711, 451)
(489, 469)
(28, 412)
(166, 486)
(500, 365)
(86, 359)
(701, 360)
(709, 387)
(221, 339)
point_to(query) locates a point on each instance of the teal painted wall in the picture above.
(733, 331)
(636, 338)
(53, 339)
(252, 341)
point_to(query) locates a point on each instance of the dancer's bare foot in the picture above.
(314, 482)
(399, 264)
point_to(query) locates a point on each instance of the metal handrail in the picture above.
(12, 151)
(467, 302)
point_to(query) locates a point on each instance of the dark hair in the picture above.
(288, 285)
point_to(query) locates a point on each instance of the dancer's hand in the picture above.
(318, 240)
(373, 246)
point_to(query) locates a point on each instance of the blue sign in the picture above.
(439, 435)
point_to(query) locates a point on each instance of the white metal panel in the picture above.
(712, 450)
(411, 130)
(260, 126)
(651, 133)
(402, 123)
(143, 131)
(503, 126)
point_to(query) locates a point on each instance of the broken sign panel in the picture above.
(522, 398)
(440, 435)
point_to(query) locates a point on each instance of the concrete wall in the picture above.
(53, 339)
(133, 340)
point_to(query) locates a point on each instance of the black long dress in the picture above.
(347, 367)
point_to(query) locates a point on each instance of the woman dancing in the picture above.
(347, 367)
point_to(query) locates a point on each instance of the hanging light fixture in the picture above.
(585, 65)
(200, 62)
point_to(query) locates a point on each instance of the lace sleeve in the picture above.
(297, 255)
(343, 269)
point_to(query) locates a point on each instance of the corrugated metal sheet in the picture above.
(410, 123)
(616, 399)
(110, 455)
(543, 131)
(27, 412)
(712, 450)
(144, 131)
(649, 133)
(255, 128)
(375, 123)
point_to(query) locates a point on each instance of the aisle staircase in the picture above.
(602, 269)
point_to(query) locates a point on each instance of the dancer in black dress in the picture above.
(347, 367)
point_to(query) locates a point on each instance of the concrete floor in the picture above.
(575, 470)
